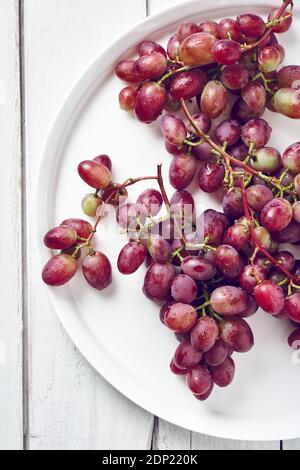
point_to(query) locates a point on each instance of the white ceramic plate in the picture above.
(119, 331)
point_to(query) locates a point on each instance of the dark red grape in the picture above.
(159, 249)
(214, 99)
(131, 258)
(235, 76)
(239, 151)
(127, 98)
(186, 356)
(217, 354)
(59, 270)
(60, 238)
(229, 300)
(290, 234)
(228, 131)
(173, 130)
(292, 307)
(94, 174)
(187, 85)
(198, 268)
(223, 374)
(204, 334)
(206, 395)
(97, 270)
(242, 113)
(104, 160)
(258, 196)
(182, 203)
(158, 281)
(286, 259)
(199, 380)
(251, 308)
(226, 52)
(83, 228)
(151, 66)
(152, 200)
(210, 227)
(250, 277)
(294, 339)
(175, 370)
(270, 297)
(203, 152)
(257, 132)
(228, 260)
(237, 334)
(277, 215)
(252, 26)
(229, 29)
(180, 318)
(196, 49)
(211, 177)
(182, 171)
(126, 71)
(148, 47)
(150, 102)
(254, 95)
(237, 236)
(203, 123)
(232, 203)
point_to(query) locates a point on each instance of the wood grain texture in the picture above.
(11, 419)
(71, 406)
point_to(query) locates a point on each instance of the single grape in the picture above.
(214, 99)
(223, 374)
(90, 205)
(182, 171)
(291, 158)
(286, 259)
(228, 131)
(174, 150)
(263, 237)
(286, 101)
(183, 336)
(229, 29)
(163, 310)
(209, 27)
(83, 228)
(228, 260)
(239, 151)
(204, 334)
(60, 238)
(172, 106)
(151, 66)
(242, 113)
(292, 307)
(229, 300)
(104, 160)
(235, 76)
(186, 357)
(233, 204)
(131, 216)
(114, 197)
(94, 174)
(252, 26)
(206, 395)
(290, 234)
(257, 132)
(237, 334)
(152, 200)
(150, 102)
(182, 203)
(211, 177)
(180, 318)
(97, 270)
(217, 354)
(277, 215)
(251, 308)
(269, 58)
(270, 297)
(284, 25)
(173, 47)
(196, 49)
(159, 249)
(294, 339)
(199, 380)
(131, 258)
(202, 152)
(254, 95)
(187, 85)
(149, 47)
(59, 270)
(198, 268)
(297, 185)
(226, 52)
(175, 370)
(127, 98)
(173, 130)
(203, 123)
(237, 235)
(158, 281)
(186, 29)
(127, 72)
(289, 77)
(258, 196)
(250, 277)
(210, 227)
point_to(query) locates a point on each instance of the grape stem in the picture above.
(273, 23)
(162, 187)
(229, 158)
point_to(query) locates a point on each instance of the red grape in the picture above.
(286, 259)
(158, 281)
(291, 158)
(223, 374)
(151, 66)
(217, 354)
(173, 47)
(254, 95)
(130, 216)
(203, 152)
(226, 52)
(206, 395)
(60, 238)
(152, 200)
(237, 334)
(235, 76)
(237, 236)
(182, 202)
(83, 228)
(159, 249)
(182, 171)
(239, 151)
(131, 258)
(292, 307)
(252, 26)
(209, 27)
(175, 370)
(211, 176)
(198, 268)
(258, 196)
(270, 57)
(289, 77)
(290, 234)
(196, 49)
(186, 29)
(186, 356)
(229, 300)
(286, 101)
(97, 270)
(148, 47)
(184, 289)
(270, 297)
(187, 85)
(229, 29)
(210, 227)
(104, 160)
(232, 204)
(250, 277)
(173, 130)
(251, 308)
(180, 318)
(294, 339)
(199, 380)
(284, 25)
(228, 131)
(94, 174)
(203, 123)
(257, 132)
(214, 99)
(59, 270)
(228, 260)
(242, 113)
(127, 98)
(126, 71)
(277, 215)
(150, 102)
(205, 334)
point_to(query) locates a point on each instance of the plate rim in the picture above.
(79, 97)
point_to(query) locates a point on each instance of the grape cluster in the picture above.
(211, 271)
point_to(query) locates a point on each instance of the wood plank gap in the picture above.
(147, 8)
(154, 432)
(24, 229)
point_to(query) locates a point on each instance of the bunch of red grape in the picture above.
(207, 272)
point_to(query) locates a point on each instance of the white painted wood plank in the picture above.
(291, 445)
(71, 406)
(168, 436)
(11, 420)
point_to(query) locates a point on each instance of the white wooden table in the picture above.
(50, 398)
